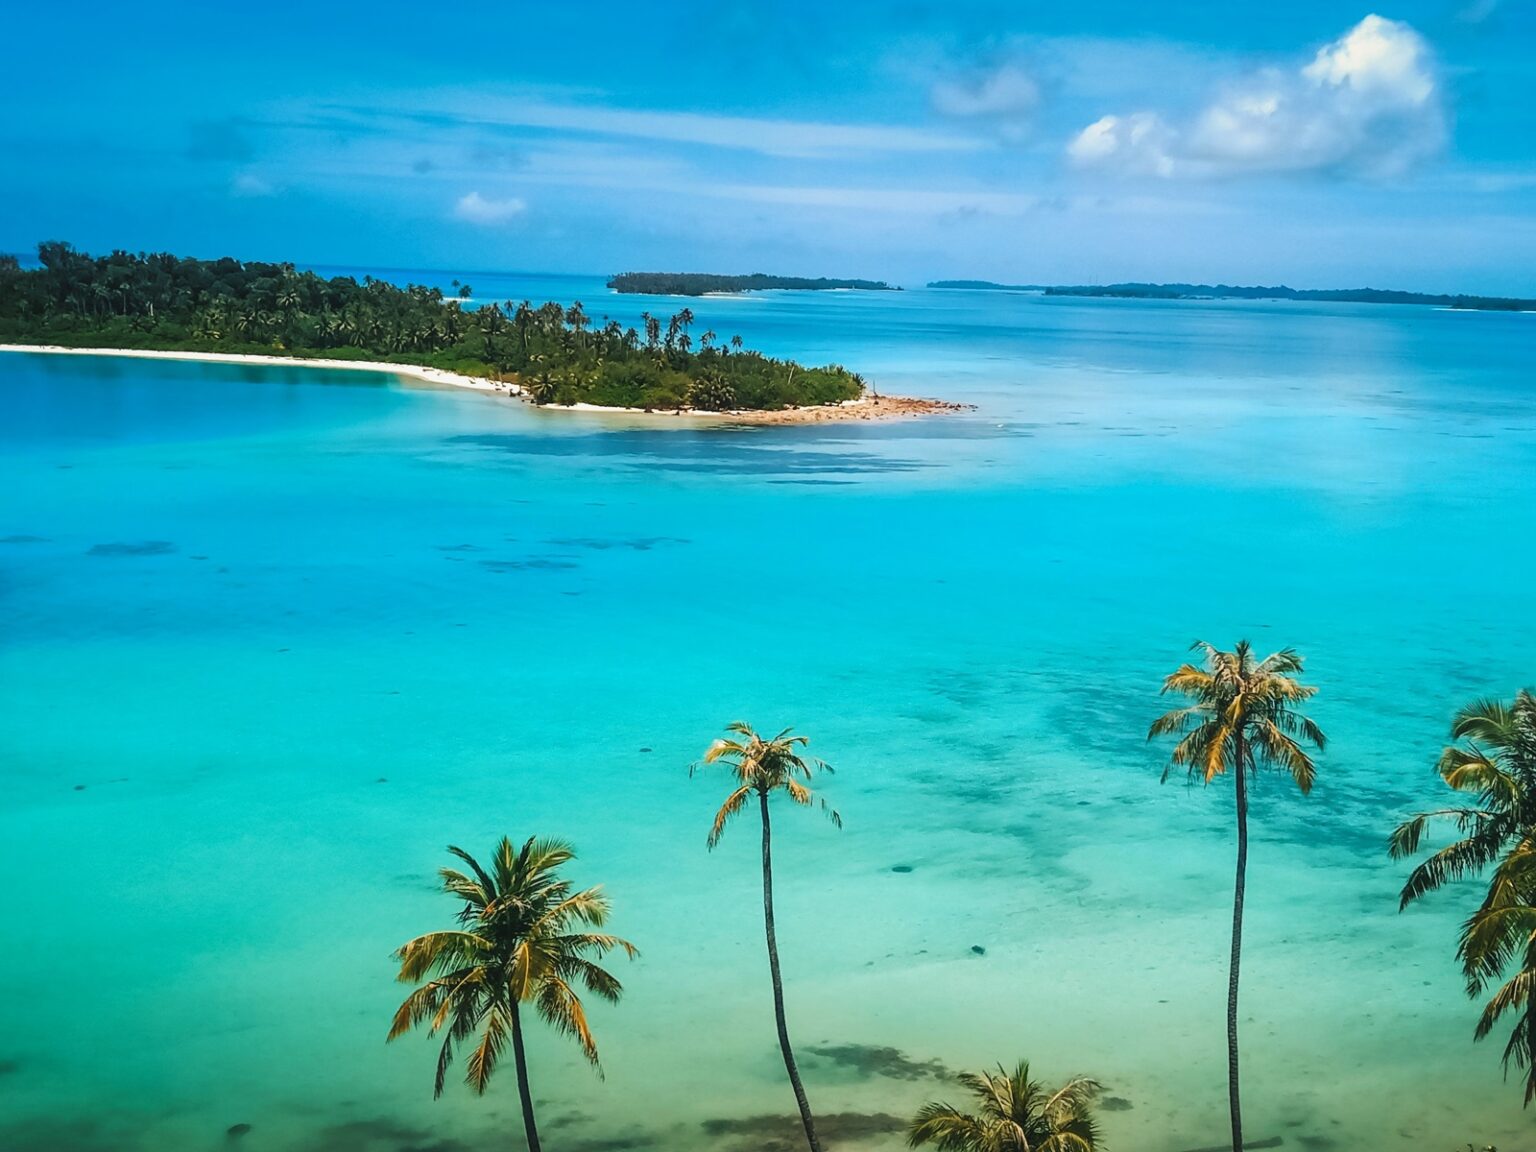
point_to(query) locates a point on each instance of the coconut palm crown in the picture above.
(762, 768)
(523, 939)
(1014, 1114)
(1493, 761)
(1241, 718)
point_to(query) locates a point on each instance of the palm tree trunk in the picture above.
(1233, 1096)
(529, 1127)
(778, 983)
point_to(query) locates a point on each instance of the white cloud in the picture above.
(477, 209)
(1368, 103)
(909, 201)
(1376, 56)
(1006, 96)
(772, 137)
(1138, 142)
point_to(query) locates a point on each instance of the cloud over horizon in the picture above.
(1004, 96)
(1368, 104)
(477, 209)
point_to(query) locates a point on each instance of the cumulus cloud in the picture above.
(478, 209)
(1005, 96)
(1368, 103)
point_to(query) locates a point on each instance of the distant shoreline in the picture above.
(715, 284)
(868, 407)
(1141, 291)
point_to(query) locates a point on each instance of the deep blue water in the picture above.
(275, 637)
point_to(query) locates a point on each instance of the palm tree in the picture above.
(760, 768)
(1016, 1114)
(1496, 762)
(1242, 719)
(522, 941)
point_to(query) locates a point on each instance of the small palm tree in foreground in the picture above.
(1014, 1114)
(1494, 761)
(1242, 719)
(761, 768)
(522, 941)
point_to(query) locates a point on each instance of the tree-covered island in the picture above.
(700, 283)
(1138, 291)
(556, 354)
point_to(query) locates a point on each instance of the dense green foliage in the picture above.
(558, 353)
(1233, 292)
(1331, 295)
(987, 284)
(522, 945)
(698, 283)
(1493, 762)
(1014, 1113)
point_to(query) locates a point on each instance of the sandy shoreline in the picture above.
(869, 407)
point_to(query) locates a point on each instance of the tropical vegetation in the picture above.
(1242, 718)
(762, 768)
(524, 939)
(1492, 760)
(698, 283)
(557, 354)
(528, 943)
(1241, 292)
(1014, 1113)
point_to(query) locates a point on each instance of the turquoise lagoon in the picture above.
(275, 637)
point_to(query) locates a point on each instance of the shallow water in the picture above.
(275, 637)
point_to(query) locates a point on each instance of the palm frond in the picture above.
(733, 804)
(482, 1061)
(522, 946)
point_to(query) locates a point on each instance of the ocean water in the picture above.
(274, 638)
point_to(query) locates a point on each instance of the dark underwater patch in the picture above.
(133, 548)
(697, 452)
(23, 539)
(874, 1060)
(784, 1133)
(609, 1144)
(533, 564)
(382, 1135)
(59, 1136)
(603, 544)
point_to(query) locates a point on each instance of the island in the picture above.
(986, 285)
(1139, 291)
(551, 354)
(703, 283)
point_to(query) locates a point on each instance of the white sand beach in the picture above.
(867, 407)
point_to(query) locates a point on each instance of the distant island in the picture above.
(1138, 291)
(700, 283)
(550, 353)
(991, 285)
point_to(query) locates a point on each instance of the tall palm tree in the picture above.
(761, 768)
(522, 940)
(1495, 761)
(1242, 719)
(1015, 1114)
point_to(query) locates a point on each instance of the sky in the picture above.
(1315, 143)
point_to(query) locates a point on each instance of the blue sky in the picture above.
(1305, 142)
